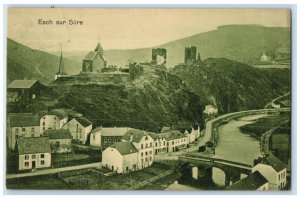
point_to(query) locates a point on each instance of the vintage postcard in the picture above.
(148, 99)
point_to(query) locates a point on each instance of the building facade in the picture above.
(79, 128)
(33, 153)
(55, 119)
(22, 125)
(60, 140)
(121, 157)
(104, 137)
(144, 143)
(94, 61)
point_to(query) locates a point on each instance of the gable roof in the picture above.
(99, 47)
(113, 131)
(275, 163)
(137, 135)
(251, 182)
(83, 121)
(92, 55)
(22, 83)
(31, 145)
(172, 135)
(23, 120)
(124, 148)
(54, 134)
(60, 113)
(157, 136)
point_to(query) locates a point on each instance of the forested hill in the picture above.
(234, 86)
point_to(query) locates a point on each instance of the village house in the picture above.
(27, 90)
(22, 124)
(104, 137)
(121, 157)
(175, 140)
(144, 143)
(33, 153)
(55, 119)
(160, 143)
(79, 128)
(60, 140)
(274, 171)
(253, 182)
(94, 61)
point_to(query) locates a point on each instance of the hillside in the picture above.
(154, 100)
(234, 86)
(24, 62)
(244, 43)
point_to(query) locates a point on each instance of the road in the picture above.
(273, 101)
(52, 171)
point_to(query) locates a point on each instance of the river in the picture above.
(232, 145)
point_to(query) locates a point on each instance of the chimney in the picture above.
(131, 137)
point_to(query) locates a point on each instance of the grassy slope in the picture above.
(24, 62)
(234, 86)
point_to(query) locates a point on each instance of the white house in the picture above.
(210, 109)
(274, 171)
(175, 140)
(79, 128)
(160, 143)
(55, 119)
(265, 57)
(104, 137)
(33, 152)
(253, 182)
(144, 143)
(22, 125)
(121, 157)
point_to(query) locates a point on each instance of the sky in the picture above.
(126, 28)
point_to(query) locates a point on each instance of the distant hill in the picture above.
(244, 43)
(234, 86)
(24, 62)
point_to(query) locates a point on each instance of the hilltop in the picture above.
(234, 86)
(243, 43)
(24, 62)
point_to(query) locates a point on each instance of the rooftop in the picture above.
(23, 120)
(113, 131)
(54, 134)
(22, 84)
(60, 113)
(32, 145)
(124, 148)
(83, 121)
(136, 133)
(251, 182)
(275, 163)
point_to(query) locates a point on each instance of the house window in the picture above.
(156, 144)
(146, 153)
(146, 159)
(109, 141)
(94, 137)
(32, 135)
(23, 129)
(26, 164)
(150, 144)
(142, 146)
(43, 123)
(105, 141)
(16, 136)
(33, 156)
(42, 162)
(146, 138)
(150, 152)
(26, 157)
(32, 130)
(44, 128)
(114, 140)
(150, 158)
(42, 155)
(142, 154)
(146, 145)
(17, 130)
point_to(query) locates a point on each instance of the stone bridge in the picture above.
(204, 164)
